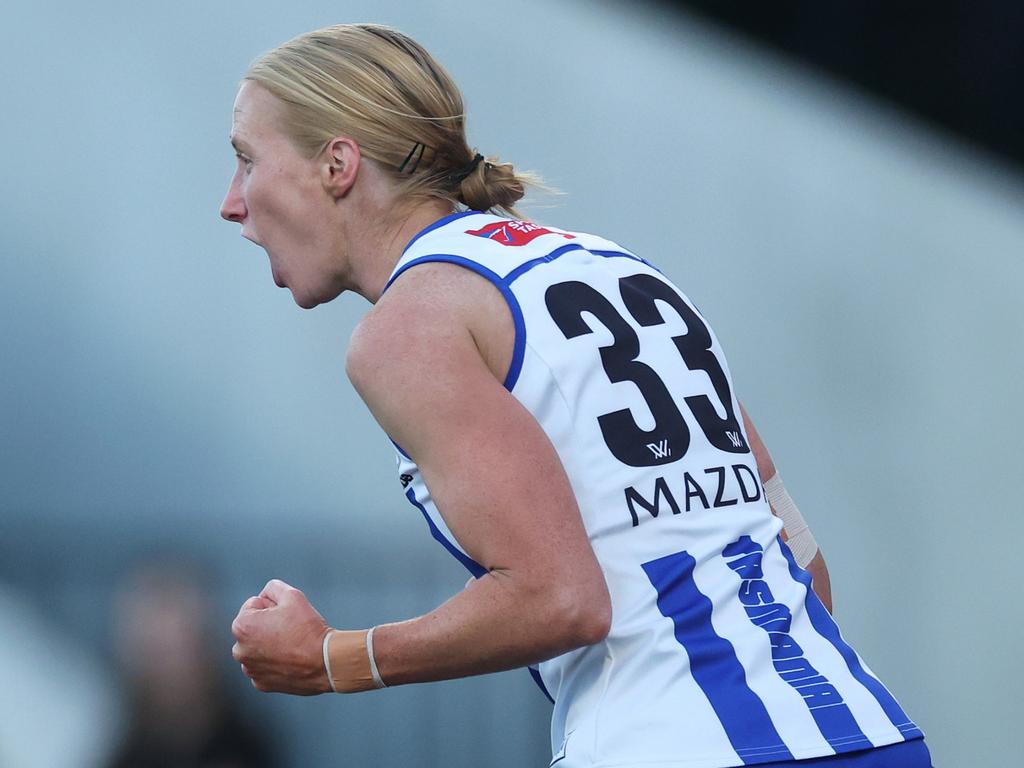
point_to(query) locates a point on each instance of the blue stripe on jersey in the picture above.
(471, 565)
(713, 661)
(526, 266)
(535, 674)
(633, 256)
(438, 224)
(400, 449)
(831, 714)
(823, 624)
(519, 349)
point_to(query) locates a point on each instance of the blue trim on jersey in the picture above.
(713, 662)
(823, 624)
(526, 266)
(628, 255)
(535, 674)
(437, 225)
(519, 348)
(400, 449)
(503, 284)
(471, 565)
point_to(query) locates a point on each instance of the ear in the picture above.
(340, 166)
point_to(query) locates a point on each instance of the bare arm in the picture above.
(766, 469)
(501, 488)
(496, 479)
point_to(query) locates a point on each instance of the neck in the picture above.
(383, 238)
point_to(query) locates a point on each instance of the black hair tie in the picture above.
(457, 177)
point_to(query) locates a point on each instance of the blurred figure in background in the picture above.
(180, 712)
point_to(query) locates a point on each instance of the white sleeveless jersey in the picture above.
(719, 654)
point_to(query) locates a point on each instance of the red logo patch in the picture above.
(514, 232)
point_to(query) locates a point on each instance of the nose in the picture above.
(233, 206)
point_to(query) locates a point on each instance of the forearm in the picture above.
(804, 548)
(498, 622)
(815, 563)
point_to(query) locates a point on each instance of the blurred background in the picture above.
(838, 186)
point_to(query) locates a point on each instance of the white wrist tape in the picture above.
(799, 538)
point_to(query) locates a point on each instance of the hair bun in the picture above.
(491, 184)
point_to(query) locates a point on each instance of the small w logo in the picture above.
(734, 438)
(660, 449)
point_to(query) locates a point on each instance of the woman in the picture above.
(573, 418)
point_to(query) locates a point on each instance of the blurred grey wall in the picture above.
(158, 391)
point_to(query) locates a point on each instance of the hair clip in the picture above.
(417, 149)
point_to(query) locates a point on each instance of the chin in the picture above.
(306, 302)
(310, 299)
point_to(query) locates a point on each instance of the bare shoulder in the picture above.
(433, 312)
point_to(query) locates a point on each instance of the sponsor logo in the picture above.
(514, 232)
(721, 488)
(660, 449)
(744, 557)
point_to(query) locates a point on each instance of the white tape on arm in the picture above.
(799, 538)
(349, 662)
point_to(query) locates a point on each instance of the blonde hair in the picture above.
(383, 89)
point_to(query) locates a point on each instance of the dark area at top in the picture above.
(957, 65)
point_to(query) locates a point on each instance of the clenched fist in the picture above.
(279, 644)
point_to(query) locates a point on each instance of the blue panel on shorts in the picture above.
(903, 754)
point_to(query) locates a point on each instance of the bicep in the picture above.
(492, 471)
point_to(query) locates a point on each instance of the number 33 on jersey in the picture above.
(718, 653)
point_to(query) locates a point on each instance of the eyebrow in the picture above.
(237, 143)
